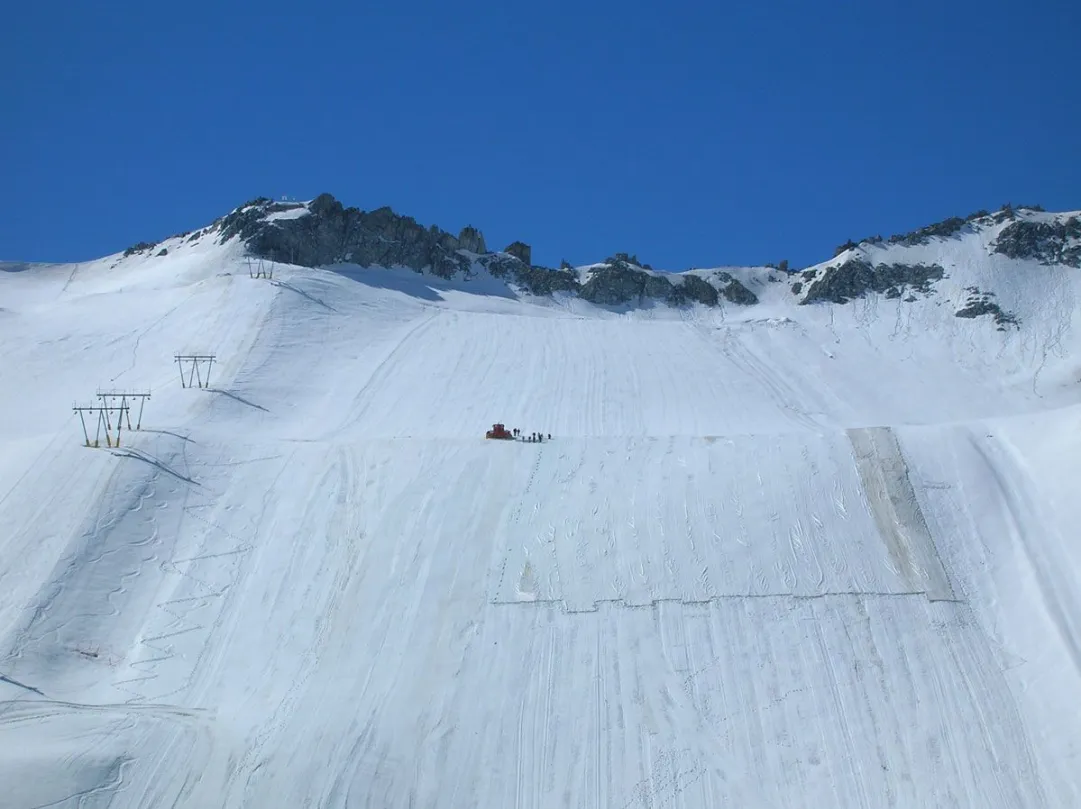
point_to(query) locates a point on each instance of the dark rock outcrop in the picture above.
(543, 281)
(940, 230)
(628, 258)
(521, 251)
(980, 304)
(325, 232)
(855, 278)
(330, 233)
(620, 282)
(1008, 213)
(141, 247)
(693, 289)
(535, 280)
(1046, 242)
(736, 292)
(617, 282)
(472, 240)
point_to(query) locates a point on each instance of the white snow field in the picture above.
(773, 556)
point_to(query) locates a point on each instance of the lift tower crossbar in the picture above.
(125, 400)
(260, 270)
(194, 376)
(104, 413)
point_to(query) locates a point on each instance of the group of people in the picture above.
(532, 438)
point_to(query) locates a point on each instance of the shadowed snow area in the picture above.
(773, 555)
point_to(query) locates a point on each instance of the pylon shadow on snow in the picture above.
(237, 398)
(303, 294)
(139, 455)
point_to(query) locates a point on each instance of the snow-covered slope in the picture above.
(773, 555)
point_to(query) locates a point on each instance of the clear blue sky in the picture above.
(690, 133)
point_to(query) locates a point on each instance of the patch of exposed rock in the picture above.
(328, 233)
(736, 292)
(979, 304)
(331, 233)
(944, 229)
(472, 240)
(141, 247)
(693, 288)
(619, 281)
(1047, 242)
(856, 278)
(535, 280)
(521, 251)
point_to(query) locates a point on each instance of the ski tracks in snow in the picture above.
(1057, 590)
(383, 371)
(398, 613)
(785, 397)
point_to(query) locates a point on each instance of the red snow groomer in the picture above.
(500, 432)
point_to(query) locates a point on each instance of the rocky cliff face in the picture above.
(856, 278)
(620, 281)
(324, 232)
(330, 233)
(1047, 242)
(946, 229)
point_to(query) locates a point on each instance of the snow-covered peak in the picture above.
(993, 264)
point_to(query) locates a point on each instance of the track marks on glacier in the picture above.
(694, 520)
(897, 512)
(213, 541)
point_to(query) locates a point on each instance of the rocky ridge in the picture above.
(980, 304)
(323, 232)
(856, 277)
(1047, 242)
(329, 233)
